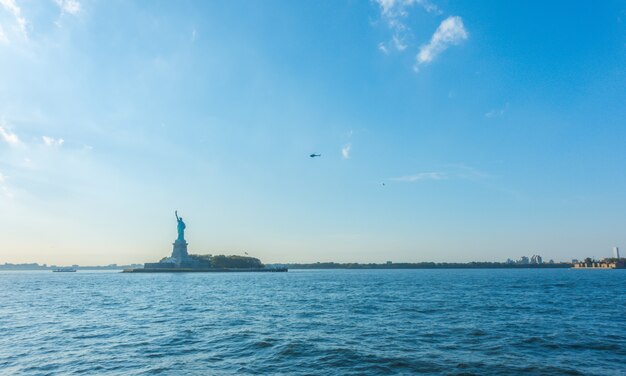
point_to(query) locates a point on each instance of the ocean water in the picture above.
(316, 322)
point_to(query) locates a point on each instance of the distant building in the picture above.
(536, 259)
(524, 260)
(616, 252)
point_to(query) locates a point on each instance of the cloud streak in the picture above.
(496, 112)
(11, 7)
(345, 151)
(450, 32)
(422, 176)
(8, 136)
(383, 48)
(396, 8)
(394, 13)
(3, 36)
(4, 190)
(452, 172)
(50, 141)
(69, 6)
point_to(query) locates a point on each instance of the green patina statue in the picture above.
(181, 226)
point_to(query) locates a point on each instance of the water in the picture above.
(350, 322)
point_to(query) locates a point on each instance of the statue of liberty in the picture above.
(181, 227)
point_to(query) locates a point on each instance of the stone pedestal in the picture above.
(180, 251)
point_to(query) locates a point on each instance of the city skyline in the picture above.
(448, 131)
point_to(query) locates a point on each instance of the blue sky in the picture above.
(497, 128)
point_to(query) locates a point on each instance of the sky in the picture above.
(448, 130)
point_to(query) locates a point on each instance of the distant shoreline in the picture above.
(427, 265)
(327, 265)
(35, 266)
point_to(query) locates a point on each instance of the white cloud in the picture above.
(429, 7)
(12, 8)
(398, 43)
(52, 142)
(394, 13)
(3, 36)
(458, 171)
(345, 151)
(386, 5)
(398, 7)
(69, 6)
(8, 136)
(450, 32)
(463, 171)
(421, 176)
(4, 189)
(383, 48)
(496, 112)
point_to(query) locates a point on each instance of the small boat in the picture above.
(66, 269)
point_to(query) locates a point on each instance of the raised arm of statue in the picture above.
(176, 213)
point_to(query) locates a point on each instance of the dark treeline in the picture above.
(25, 266)
(428, 265)
(36, 266)
(229, 262)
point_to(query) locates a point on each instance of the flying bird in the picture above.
(315, 155)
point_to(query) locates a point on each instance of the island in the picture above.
(182, 261)
(607, 263)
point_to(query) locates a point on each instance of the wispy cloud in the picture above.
(69, 6)
(8, 136)
(451, 31)
(394, 13)
(496, 112)
(3, 36)
(383, 48)
(50, 141)
(463, 171)
(11, 7)
(458, 171)
(4, 189)
(398, 8)
(345, 151)
(398, 43)
(421, 177)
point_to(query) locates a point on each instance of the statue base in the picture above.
(179, 253)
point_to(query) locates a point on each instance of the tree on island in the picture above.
(228, 262)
